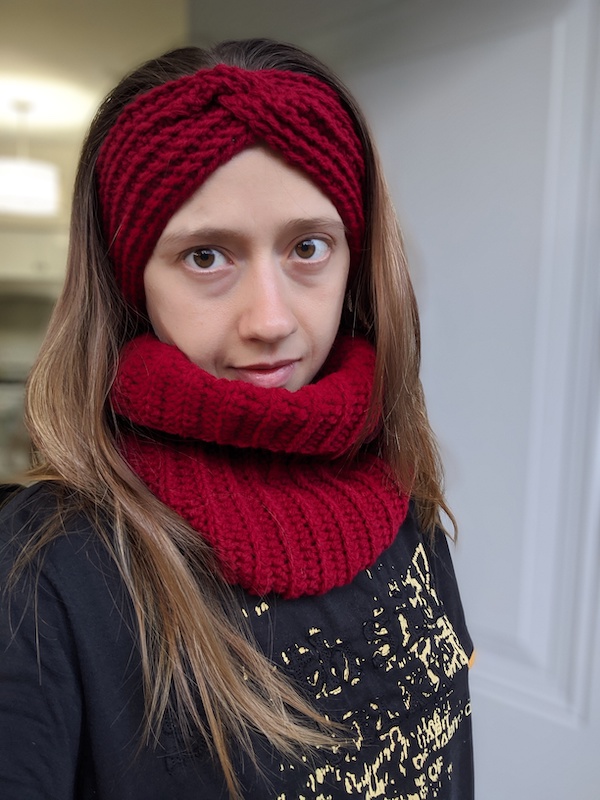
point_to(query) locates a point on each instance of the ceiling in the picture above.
(298, 21)
(62, 56)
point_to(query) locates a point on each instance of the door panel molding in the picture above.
(546, 667)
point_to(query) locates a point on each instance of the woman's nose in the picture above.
(266, 301)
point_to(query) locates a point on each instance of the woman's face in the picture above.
(248, 277)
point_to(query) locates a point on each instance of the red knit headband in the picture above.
(166, 143)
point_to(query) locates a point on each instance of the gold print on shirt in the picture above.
(327, 665)
(419, 643)
(402, 736)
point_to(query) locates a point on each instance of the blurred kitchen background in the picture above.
(58, 58)
(488, 118)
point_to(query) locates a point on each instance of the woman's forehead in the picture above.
(254, 180)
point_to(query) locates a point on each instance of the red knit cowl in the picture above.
(268, 477)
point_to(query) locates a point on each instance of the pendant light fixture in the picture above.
(28, 187)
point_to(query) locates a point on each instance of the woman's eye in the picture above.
(205, 258)
(311, 249)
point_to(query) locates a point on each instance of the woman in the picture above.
(229, 578)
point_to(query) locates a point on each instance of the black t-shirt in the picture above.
(386, 655)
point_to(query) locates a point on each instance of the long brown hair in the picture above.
(189, 638)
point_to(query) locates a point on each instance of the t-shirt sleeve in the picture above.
(40, 696)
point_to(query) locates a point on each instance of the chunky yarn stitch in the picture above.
(166, 142)
(268, 477)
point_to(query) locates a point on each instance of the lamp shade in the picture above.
(28, 187)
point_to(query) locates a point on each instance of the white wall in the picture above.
(488, 118)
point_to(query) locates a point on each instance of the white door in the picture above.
(488, 118)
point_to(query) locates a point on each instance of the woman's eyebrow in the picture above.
(314, 223)
(189, 236)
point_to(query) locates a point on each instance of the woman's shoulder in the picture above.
(18, 501)
(44, 538)
(24, 507)
(27, 511)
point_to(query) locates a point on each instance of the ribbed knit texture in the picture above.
(264, 475)
(168, 141)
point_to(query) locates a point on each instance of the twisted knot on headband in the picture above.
(166, 143)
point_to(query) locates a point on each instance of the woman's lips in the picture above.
(269, 376)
